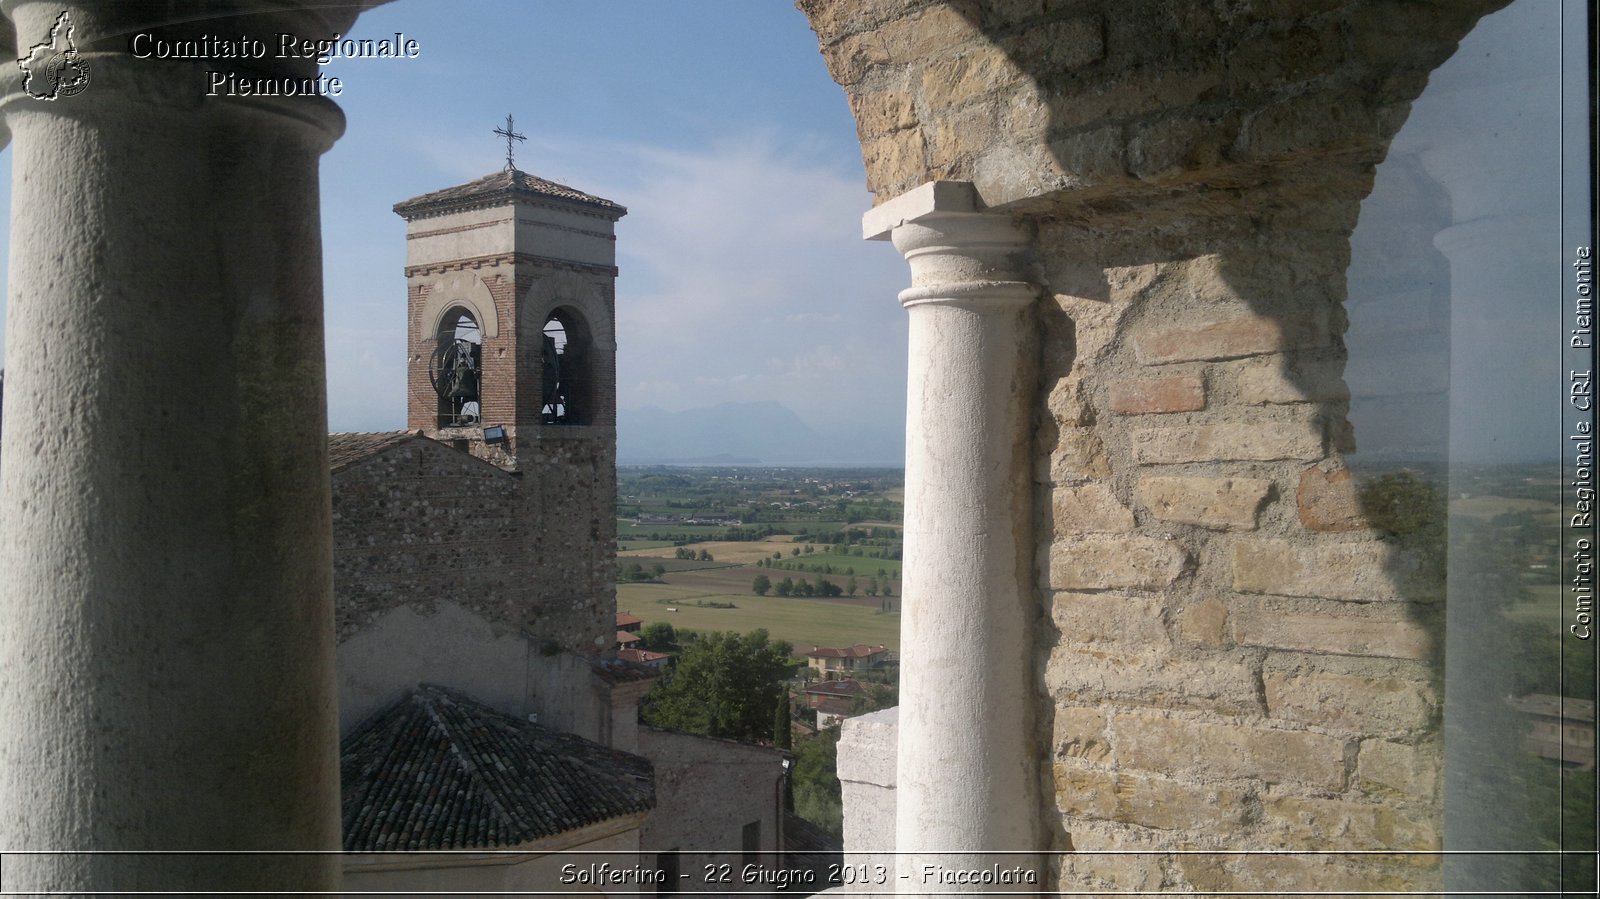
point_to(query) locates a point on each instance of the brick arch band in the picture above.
(460, 289)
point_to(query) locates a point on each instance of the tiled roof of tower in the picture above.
(501, 186)
(438, 770)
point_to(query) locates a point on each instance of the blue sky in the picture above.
(743, 274)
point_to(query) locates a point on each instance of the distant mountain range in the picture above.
(764, 433)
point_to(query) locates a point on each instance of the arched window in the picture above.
(564, 374)
(456, 369)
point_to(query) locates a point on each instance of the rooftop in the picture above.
(349, 448)
(837, 688)
(438, 770)
(501, 187)
(858, 651)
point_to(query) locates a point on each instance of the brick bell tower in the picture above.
(511, 356)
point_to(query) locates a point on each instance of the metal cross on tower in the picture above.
(510, 135)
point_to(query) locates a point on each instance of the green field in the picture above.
(803, 622)
(627, 530)
(865, 565)
(645, 544)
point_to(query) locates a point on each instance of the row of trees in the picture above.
(636, 572)
(687, 554)
(762, 585)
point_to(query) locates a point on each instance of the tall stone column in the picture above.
(166, 627)
(967, 776)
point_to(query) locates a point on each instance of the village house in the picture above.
(832, 700)
(830, 664)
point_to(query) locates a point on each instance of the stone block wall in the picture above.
(1240, 638)
(1100, 98)
(570, 498)
(1244, 653)
(419, 523)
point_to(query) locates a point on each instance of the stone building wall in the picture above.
(1238, 647)
(707, 791)
(417, 523)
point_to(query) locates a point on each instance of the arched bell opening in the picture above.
(456, 369)
(566, 383)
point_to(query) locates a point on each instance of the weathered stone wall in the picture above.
(1106, 100)
(419, 523)
(1245, 654)
(570, 496)
(1243, 647)
(707, 790)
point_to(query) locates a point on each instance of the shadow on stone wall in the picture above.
(1268, 604)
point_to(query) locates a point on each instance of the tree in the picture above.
(724, 685)
(785, 586)
(816, 781)
(658, 635)
(850, 586)
(705, 556)
(872, 586)
(782, 733)
(658, 569)
(761, 585)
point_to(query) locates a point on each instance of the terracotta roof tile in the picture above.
(438, 770)
(499, 188)
(858, 651)
(641, 656)
(347, 449)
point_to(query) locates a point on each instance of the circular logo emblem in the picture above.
(68, 73)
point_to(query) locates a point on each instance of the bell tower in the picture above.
(511, 356)
(510, 317)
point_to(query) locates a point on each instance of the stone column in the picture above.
(967, 776)
(166, 626)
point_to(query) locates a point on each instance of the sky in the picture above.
(743, 273)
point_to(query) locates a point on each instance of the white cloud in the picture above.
(743, 275)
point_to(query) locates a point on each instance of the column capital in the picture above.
(958, 251)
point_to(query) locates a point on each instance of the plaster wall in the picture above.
(453, 647)
(460, 235)
(561, 232)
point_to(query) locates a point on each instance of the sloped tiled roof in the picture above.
(642, 656)
(438, 770)
(858, 651)
(347, 449)
(624, 619)
(498, 188)
(837, 688)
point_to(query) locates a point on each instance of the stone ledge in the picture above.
(930, 198)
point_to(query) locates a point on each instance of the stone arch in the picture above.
(456, 367)
(1195, 172)
(463, 289)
